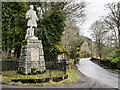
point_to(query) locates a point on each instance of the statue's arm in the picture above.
(36, 17)
(27, 15)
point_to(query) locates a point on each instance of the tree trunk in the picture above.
(119, 37)
(118, 34)
(100, 55)
(119, 25)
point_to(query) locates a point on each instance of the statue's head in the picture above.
(31, 7)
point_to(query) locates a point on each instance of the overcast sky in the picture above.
(94, 11)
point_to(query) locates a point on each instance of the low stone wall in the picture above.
(106, 63)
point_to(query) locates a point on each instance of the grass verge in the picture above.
(8, 75)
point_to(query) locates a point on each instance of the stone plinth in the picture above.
(32, 57)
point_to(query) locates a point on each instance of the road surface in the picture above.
(98, 73)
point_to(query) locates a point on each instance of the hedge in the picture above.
(40, 80)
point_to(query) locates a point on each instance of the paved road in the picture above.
(98, 73)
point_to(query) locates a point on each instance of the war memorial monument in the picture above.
(32, 55)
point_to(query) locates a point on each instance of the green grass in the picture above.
(7, 76)
(116, 70)
(73, 75)
(14, 74)
(0, 78)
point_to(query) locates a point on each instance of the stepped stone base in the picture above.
(32, 57)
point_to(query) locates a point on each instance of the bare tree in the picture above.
(72, 10)
(112, 20)
(99, 34)
(70, 34)
(75, 11)
(71, 39)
